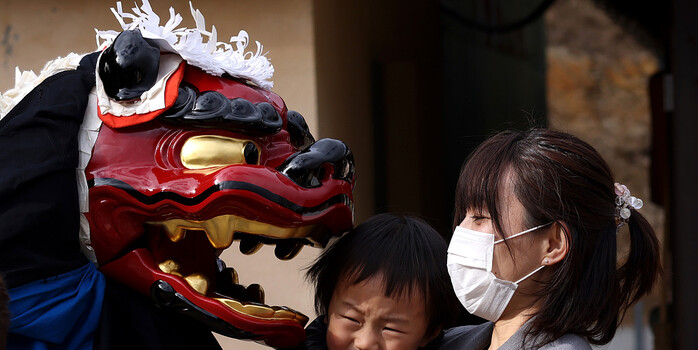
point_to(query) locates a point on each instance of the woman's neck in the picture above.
(507, 325)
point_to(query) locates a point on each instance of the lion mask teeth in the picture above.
(221, 230)
(255, 308)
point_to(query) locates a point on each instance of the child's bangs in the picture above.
(399, 280)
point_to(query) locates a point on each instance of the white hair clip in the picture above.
(625, 202)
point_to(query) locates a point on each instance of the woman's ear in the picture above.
(556, 244)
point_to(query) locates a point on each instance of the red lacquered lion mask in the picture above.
(213, 160)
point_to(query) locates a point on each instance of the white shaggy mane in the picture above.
(26, 81)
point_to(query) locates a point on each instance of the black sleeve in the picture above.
(39, 213)
(131, 321)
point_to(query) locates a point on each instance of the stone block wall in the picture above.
(597, 89)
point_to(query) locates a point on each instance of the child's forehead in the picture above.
(369, 296)
(378, 285)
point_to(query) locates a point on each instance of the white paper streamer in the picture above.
(216, 58)
(87, 136)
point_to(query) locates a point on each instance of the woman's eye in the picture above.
(479, 218)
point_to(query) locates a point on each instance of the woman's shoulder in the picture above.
(479, 336)
(568, 342)
(466, 337)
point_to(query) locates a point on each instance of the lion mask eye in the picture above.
(207, 151)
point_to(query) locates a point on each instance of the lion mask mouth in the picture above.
(172, 241)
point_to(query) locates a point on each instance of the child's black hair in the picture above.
(407, 253)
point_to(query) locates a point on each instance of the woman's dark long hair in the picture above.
(560, 178)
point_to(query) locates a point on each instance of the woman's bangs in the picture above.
(483, 175)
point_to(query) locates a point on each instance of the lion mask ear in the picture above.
(129, 66)
(159, 97)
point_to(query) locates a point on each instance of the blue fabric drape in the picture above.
(60, 312)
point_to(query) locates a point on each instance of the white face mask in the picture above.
(470, 267)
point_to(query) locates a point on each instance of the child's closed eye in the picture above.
(350, 319)
(389, 329)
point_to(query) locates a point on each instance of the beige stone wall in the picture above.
(598, 78)
(35, 31)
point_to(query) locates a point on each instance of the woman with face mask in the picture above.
(537, 220)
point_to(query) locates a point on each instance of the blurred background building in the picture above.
(414, 85)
